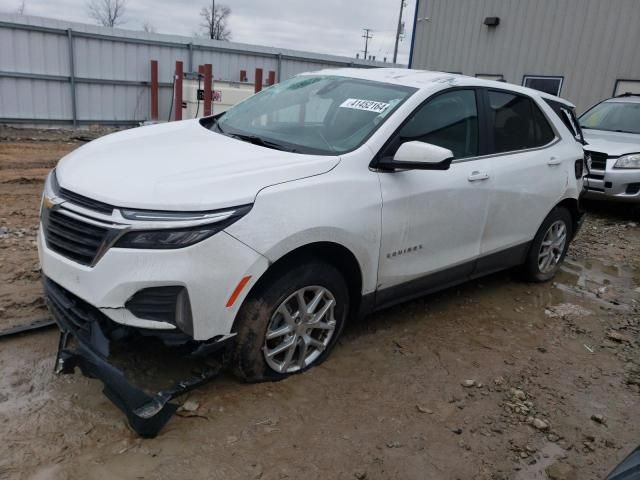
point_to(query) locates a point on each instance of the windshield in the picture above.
(326, 115)
(613, 116)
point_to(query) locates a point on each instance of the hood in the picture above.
(180, 166)
(614, 144)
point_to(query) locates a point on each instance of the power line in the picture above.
(366, 37)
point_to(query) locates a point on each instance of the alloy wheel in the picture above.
(300, 329)
(552, 246)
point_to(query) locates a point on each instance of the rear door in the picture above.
(530, 167)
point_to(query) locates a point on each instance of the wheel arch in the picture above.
(572, 205)
(335, 254)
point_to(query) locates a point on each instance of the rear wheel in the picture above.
(291, 322)
(549, 246)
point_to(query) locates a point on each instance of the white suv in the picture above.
(325, 197)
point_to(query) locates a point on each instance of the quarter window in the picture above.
(517, 122)
(568, 117)
(450, 120)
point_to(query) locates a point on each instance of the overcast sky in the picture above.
(325, 26)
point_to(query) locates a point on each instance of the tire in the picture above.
(557, 223)
(253, 358)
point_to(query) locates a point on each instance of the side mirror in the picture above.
(419, 156)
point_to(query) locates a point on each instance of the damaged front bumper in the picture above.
(86, 336)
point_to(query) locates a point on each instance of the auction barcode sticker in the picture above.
(368, 105)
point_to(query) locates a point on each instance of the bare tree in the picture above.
(214, 21)
(21, 7)
(148, 27)
(108, 13)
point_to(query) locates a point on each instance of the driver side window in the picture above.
(449, 120)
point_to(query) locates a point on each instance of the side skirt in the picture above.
(434, 282)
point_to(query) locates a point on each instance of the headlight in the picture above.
(628, 161)
(51, 190)
(165, 237)
(51, 187)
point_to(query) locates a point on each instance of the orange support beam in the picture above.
(154, 90)
(272, 77)
(258, 83)
(177, 114)
(208, 77)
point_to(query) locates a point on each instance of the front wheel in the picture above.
(549, 246)
(291, 322)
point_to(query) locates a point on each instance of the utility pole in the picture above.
(366, 37)
(399, 32)
(213, 19)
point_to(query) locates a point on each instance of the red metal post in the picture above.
(208, 74)
(154, 90)
(258, 83)
(177, 114)
(272, 77)
(243, 75)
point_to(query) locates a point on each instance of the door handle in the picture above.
(477, 176)
(554, 161)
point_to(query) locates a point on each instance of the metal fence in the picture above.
(63, 73)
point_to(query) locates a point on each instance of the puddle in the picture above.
(612, 286)
(545, 457)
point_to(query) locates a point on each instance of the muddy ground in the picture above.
(495, 379)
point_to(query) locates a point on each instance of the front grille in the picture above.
(75, 316)
(155, 303)
(598, 160)
(85, 202)
(66, 306)
(72, 238)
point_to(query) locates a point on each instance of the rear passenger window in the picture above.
(518, 123)
(450, 121)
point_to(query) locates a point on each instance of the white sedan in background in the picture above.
(612, 132)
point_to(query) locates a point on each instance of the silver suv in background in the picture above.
(611, 130)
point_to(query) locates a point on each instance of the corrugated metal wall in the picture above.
(111, 69)
(591, 43)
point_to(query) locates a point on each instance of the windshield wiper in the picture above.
(216, 125)
(261, 142)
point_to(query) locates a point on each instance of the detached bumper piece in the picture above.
(85, 339)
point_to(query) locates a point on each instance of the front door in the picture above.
(432, 221)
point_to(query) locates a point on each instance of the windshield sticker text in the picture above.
(368, 105)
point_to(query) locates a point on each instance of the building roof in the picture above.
(52, 25)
